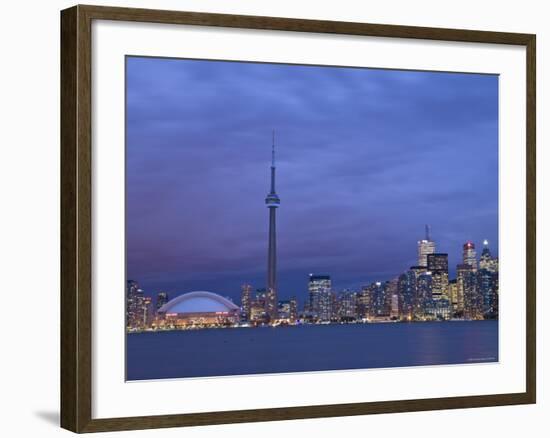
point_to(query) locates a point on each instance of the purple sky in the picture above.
(365, 158)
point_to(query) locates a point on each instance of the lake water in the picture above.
(237, 351)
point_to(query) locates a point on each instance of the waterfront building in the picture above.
(391, 297)
(272, 201)
(134, 305)
(486, 260)
(347, 305)
(406, 290)
(379, 302)
(468, 289)
(487, 284)
(293, 310)
(438, 265)
(162, 299)
(425, 246)
(320, 297)
(363, 300)
(469, 255)
(199, 308)
(424, 285)
(465, 276)
(148, 313)
(440, 309)
(284, 309)
(246, 301)
(452, 293)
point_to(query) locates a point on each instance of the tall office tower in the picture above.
(162, 299)
(272, 201)
(347, 305)
(469, 256)
(406, 289)
(364, 302)
(246, 301)
(320, 297)
(465, 276)
(134, 305)
(425, 246)
(452, 293)
(486, 260)
(467, 288)
(378, 300)
(391, 296)
(438, 265)
(293, 310)
(487, 284)
(147, 309)
(423, 300)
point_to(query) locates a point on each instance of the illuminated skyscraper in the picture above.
(468, 289)
(425, 246)
(134, 305)
(320, 296)
(423, 299)
(364, 302)
(147, 312)
(406, 289)
(487, 284)
(452, 293)
(469, 256)
(293, 309)
(347, 305)
(438, 265)
(486, 260)
(272, 201)
(162, 299)
(378, 300)
(246, 301)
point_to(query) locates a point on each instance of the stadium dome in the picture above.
(198, 302)
(199, 308)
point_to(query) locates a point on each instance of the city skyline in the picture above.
(332, 223)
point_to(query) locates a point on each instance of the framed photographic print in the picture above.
(270, 218)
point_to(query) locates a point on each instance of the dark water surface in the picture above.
(222, 352)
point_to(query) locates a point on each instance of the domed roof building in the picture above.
(199, 308)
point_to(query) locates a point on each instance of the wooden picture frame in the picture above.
(76, 217)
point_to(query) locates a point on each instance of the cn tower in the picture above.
(272, 201)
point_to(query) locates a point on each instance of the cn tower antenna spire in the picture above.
(427, 232)
(273, 150)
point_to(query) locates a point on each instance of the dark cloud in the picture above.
(365, 158)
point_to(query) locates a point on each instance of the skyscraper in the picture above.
(320, 297)
(246, 301)
(134, 305)
(293, 309)
(423, 299)
(487, 284)
(162, 299)
(469, 256)
(425, 246)
(486, 260)
(347, 305)
(468, 289)
(438, 265)
(406, 290)
(272, 201)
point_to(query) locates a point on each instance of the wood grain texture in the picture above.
(76, 222)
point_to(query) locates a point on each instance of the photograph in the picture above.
(285, 218)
